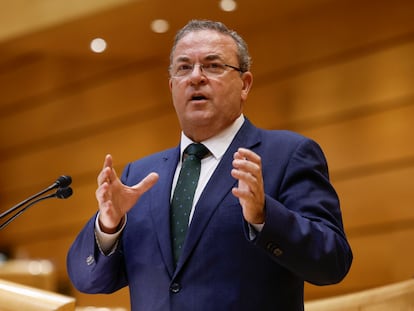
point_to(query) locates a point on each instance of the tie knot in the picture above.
(199, 150)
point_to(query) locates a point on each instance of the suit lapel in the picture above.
(160, 207)
(220, 184)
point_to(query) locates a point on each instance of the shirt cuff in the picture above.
(107, 242)
(255, 229)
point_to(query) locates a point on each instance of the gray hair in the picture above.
(196, 25)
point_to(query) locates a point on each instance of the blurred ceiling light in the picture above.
(98, 45)
(160, 25)
(228, 5)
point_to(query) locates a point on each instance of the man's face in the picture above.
(207, 102)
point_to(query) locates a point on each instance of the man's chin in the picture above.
(201, 118)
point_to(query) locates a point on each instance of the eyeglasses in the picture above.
(209, 69)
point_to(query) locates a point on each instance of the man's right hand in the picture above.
(115, 199)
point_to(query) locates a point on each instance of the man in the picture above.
(264, 217)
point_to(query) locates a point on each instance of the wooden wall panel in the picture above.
(366, 141)
(30, 75)
(83, 158)
(353, 86)
(377, 202)
(63, 158)
(85, 107)
(382, 258)
(325, 33)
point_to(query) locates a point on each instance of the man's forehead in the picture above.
(209, 44)
(202, 35)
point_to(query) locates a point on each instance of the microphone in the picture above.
(61, 193)
(62, 182)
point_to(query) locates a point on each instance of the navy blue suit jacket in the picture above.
(220, 267)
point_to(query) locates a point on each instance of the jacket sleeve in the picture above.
(303, 228)
(89, 269)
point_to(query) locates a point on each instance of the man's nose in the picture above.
(197, 69)
(197, 74)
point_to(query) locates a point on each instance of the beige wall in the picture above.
(341, 72)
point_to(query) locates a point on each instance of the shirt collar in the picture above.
(217, 144)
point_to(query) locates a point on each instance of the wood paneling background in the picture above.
(340, 72)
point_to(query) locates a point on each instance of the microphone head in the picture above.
(64, 193)
(63, 181)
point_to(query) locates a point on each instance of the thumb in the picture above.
(147, 183)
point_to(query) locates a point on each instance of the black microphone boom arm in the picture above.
(61, 183)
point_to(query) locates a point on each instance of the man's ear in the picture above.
(247, 80)
(170, 84)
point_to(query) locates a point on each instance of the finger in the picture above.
(248, 174)
(249, 162)
(241, 166)
(104, 175)
(102, 195)
(112, 175)
(108, 173)
(246, 166)
(108, 161)
(244, 176)
(247, 185)
(243, 194)
(246, 154)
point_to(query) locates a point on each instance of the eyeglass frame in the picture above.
(202, 69)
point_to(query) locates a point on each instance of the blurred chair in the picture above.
(17, 297)
(36, 273)
(396, 297)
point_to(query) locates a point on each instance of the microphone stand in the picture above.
(17, 206)
(61, 183)
(61, 193)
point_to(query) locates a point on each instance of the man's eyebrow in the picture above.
(211, 57)
(183, 59)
